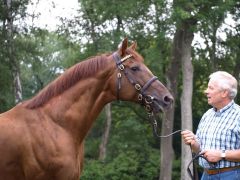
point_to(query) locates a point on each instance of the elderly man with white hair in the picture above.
(218, 133)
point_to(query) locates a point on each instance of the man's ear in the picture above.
(225, 93)
(123, 47)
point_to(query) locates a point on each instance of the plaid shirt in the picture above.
(220, 130)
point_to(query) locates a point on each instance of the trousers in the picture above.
(229, 175)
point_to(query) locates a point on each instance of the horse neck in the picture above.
(78, 107)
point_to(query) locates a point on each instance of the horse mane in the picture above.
(70, 77)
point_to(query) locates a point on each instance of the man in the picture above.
(218, 134)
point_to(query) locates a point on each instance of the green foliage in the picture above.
(93, 169)
(126, 165)
(6, 97)
(176, 169)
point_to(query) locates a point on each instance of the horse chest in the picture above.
(52, 159)
(61, 169)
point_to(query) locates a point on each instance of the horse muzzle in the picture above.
(156, 105)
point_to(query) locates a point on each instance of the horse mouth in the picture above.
(160, 106)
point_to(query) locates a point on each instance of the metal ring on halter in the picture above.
(121, 67)
(148, 108)
(140, 97)
(137, 87)
(119, 75)
(149, 99)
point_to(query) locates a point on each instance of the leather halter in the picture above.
(144, 98)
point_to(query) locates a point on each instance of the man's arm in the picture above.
(233, 155)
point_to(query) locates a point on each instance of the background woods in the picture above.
(182, 42)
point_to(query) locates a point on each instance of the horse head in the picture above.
(135, 82)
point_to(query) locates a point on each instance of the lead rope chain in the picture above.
(155, 127)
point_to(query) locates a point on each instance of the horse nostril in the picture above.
(168, 99)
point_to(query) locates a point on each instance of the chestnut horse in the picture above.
(42, 138)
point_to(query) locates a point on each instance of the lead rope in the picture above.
(155, 127)
(193, 176)
(196, 156)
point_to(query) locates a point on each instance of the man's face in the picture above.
(215, 94)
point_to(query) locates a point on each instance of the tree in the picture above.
(44, 56)
(14, 64)
(166, 149)
(105, 137)
(186, 97)
(11, 12)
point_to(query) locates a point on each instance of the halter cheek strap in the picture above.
(120, 66)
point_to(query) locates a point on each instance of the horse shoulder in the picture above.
(37, 146)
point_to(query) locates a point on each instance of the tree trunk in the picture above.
(14, 64)
(17, 84)
(236, 71)
(166, 149)
(186, 97)
(105, 137)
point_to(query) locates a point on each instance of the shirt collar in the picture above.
(229, 105)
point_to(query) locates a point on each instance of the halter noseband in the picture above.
(144, 98)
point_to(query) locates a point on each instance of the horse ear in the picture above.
(123, 47)
(134, 45)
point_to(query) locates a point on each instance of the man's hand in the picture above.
(212, 156)
(188, 137)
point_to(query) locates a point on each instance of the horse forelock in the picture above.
(70, 77)
(135, 54)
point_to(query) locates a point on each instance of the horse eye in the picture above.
(135, 68)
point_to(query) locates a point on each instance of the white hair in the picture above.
(226, 82)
